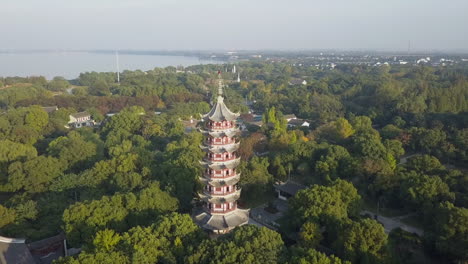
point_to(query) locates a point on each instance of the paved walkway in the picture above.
(391, 223)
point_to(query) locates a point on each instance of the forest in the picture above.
(391, 140)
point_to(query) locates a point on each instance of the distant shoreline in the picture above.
(69, 64)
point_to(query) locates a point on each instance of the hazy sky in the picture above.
(235, 24)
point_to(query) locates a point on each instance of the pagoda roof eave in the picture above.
(221, 182)
(230, 132)
(221, 149)
(218, 199)
(220, 112)
(228, 221)
(221, 165)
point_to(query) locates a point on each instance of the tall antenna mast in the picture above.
(409, 46)
(117, 62)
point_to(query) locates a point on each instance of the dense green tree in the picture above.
(255, 177)
(427, 140)
(421, 189)
(11, 151)
(363, 241)
(58, 84)
(118, 212)
(310, 235)
(98, 258)
(99, 88)
(311, 256)
(35, 174)
(246, 244)
(449, 231)
(335, 162)
(73, 149)
(336, 131)
(106, 240)
(425, 164)
(368, 144)
(7, 216)
(319, 204)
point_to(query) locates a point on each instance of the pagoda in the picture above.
(219, 212)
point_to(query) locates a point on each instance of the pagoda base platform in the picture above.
(221, 223)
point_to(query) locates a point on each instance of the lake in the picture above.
(71, 64)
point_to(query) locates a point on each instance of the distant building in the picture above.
(290, 117)
(238, 78)
(423, 60)
(50, 109)
(80, 119)
(298, 82)
(234, 69)
(189, 125)
(298, 123)
(16, 251)
(286, 190)
(250, 119)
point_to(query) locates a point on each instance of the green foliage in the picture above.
(336, 131)
(274, 122)
(450, 231)
(118, 212)
(168, 240)
(324, 205)
(368, 144)
(11, 96)
(425, 164)
(310, 235)
(255, 177)
(98, 258)
(73, 149)
(246, 244)
(58, 84)
(390, 131)
(102, 180)
(427, 140)
(24, 124)
(7, 216)
(35, 174)
(11, 151)
(99, 88)
(106, 240)
(335, 162)
(421, 189)
(363, 240)
(180, 170)
(311, 256)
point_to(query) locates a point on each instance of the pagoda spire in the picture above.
(220, 84)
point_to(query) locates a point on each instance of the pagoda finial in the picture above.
(220, 85)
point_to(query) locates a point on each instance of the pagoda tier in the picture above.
(219, 212)
(224, 133)
(220, 182)
(219, 197)
(220, 149)
(222, 165)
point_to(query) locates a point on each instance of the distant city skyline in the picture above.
(430, 25)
